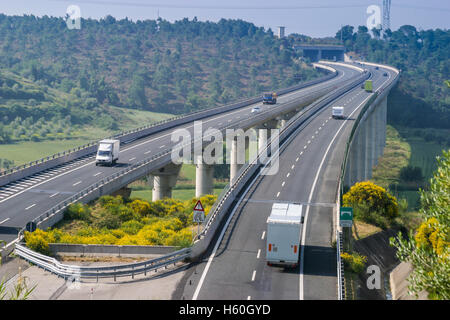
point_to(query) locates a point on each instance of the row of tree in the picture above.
(422, 97)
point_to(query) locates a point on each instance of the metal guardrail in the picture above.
(339, 235)
(340, 265)
(58, 208)
(249, 169)
(77, 272)
(201, 113)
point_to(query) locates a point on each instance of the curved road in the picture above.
(309, 170)
(26, 199)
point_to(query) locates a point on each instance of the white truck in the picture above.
(284, 227)
(337, 113)
(108, 152)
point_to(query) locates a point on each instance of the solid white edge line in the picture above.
(216, 246)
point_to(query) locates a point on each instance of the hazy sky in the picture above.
(317, 18)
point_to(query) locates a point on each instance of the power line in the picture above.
(176, 6)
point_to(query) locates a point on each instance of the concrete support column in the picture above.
(368, 152)
(379, 131)
(204, 174)
(283, 119)
(360, 149)
(236, 162)
(373, 149)
(264, 133)
(348, 170)
(263, 137)
(161, 188)
(353, 163)
(384, 104)
(164, 180)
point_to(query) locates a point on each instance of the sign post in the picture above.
(346, 217)
(199, 214)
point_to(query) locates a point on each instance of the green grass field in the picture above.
(396, 156)
(405, 147)
(26, 151)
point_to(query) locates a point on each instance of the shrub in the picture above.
(131, 227)
(38, 241)
(354, 262)
(78, 211)
(368, 197)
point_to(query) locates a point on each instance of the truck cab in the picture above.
(269, 98)
(107, 152)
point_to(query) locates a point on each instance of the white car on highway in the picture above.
(256, 109)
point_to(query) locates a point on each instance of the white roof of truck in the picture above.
(109, 141)
(285, 213)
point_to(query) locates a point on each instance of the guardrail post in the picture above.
(97, 275)
(114, 274)
(145, 269)
(132, 272)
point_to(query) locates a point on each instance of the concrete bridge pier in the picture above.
(204, 175)
(360, 152)
(284, 118)
(369, 143)
(164, 180)
(264, 133)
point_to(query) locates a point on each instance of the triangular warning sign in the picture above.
(198, 206)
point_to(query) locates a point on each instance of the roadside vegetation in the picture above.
(19, 291)
(118, 221)
(428, 247)
(421, 99)
(112, 73)
(372, 204)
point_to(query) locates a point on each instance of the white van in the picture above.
(108, 152)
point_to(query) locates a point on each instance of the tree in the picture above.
(428, 250)
(411, 173)
(345, 33)
(371, 202)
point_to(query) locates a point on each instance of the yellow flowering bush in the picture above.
(118, 221)
(370, 201)
(429, 236)
(354, 262)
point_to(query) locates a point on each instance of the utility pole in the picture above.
(386, 15)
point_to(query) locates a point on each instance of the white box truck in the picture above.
(108, 152)
(284, 227)
(337, 113)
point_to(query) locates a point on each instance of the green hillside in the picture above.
(59, 84)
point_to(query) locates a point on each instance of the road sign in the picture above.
(346, 217)
(199, 212)
(30, 226)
